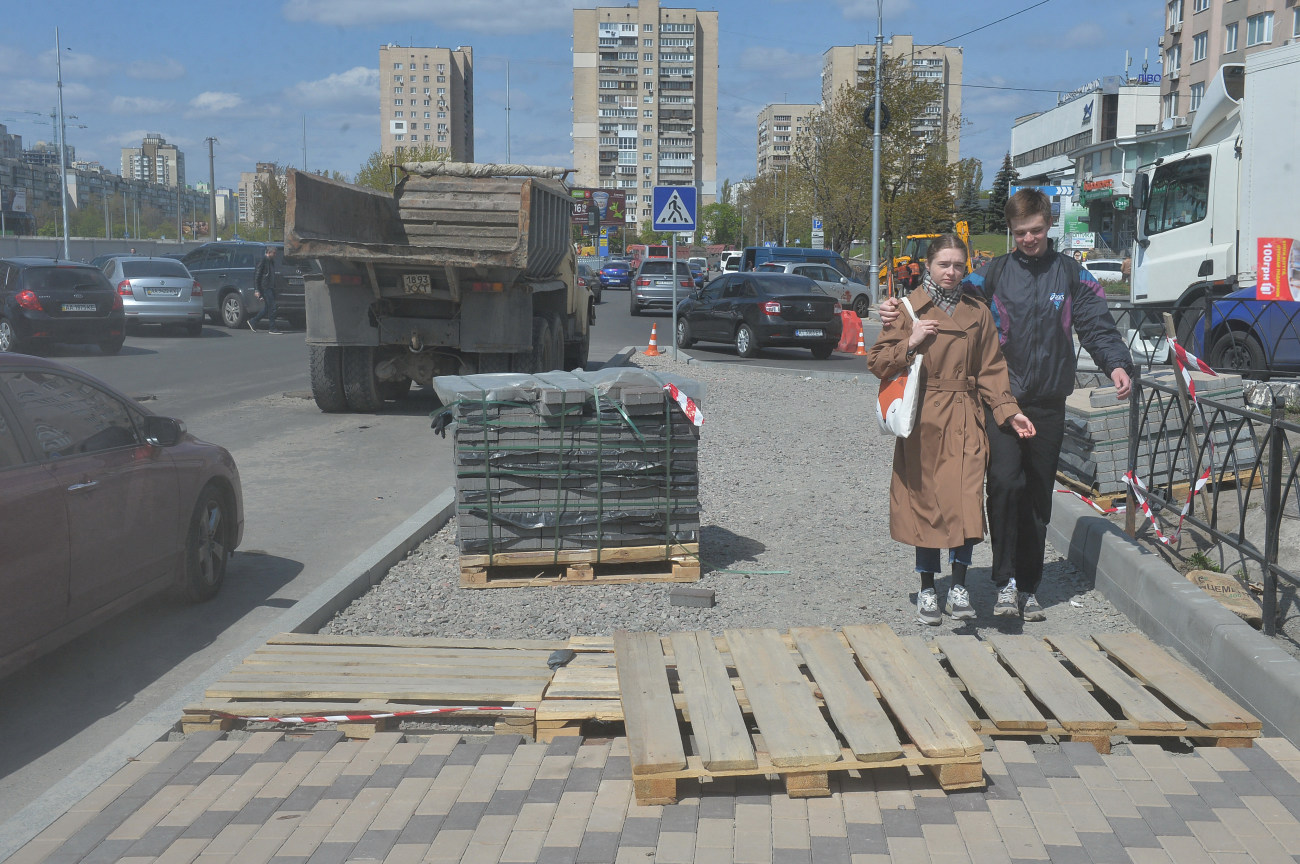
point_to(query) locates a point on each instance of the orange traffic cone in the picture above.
(653, 349)
(862, 348)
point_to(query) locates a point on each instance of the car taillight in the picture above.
(688, 283)
(124, 288)
(117, 301)
(839, 310)
(771, 307)
(28, 300)
(197, 290)
(643, 281)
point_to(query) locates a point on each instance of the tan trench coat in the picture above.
(936, 496)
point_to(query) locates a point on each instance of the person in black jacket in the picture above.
(1037, 296)
(264, 290)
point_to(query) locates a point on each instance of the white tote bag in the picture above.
(900, 396)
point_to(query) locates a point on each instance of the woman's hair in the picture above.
(1028, 203)
(945, 241)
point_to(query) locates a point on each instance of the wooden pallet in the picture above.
(1107, 500)
(616, 566)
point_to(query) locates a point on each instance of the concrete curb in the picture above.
(1238, 659)
(305, 616)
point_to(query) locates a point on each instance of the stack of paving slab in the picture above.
(1095, 450)
(573, 460)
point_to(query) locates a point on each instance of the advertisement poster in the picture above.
(1278, 268)
(612, 204)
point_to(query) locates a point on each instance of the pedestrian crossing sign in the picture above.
(674, 208)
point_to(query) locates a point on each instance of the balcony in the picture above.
(676, 163)
(606, 170)
(676, 172)
(676, 100)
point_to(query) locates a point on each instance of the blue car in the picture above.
(697, 272)
(617, 273)
(1249, 336)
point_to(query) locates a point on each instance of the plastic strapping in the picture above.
(559, 480)
(487, 475)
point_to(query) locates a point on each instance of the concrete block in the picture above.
(682, 595)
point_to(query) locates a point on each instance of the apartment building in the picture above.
(1202, 35)
(645, 101)
(779, 128)
(426, 98)
(154, 161)
(853, 65)
(249, 196)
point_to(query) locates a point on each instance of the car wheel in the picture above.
(684, 339)
(112, 346)
(195, 330)
(326, 363)
(1238, 352)
(823, 352)
(233, 313)
(862, 306)
(633, 309)
(207, 548)
(8, 338)
(746, 341)
(360, 385)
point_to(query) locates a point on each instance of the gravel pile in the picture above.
(795, 497)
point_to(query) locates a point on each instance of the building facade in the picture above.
(154, 161)
(645, 101)
(1202, 35)
(779, 128)
(249, 194)
(426, 99)
(46, 154)
(11, 145)
(854, 65)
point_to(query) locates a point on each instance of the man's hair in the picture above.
(1028, 203)
(945, 241)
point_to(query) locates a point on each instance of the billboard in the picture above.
(610, 203)
(1278, 268)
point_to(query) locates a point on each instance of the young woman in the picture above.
(936, 494)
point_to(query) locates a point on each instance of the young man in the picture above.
(1037, 295)
(264, 289)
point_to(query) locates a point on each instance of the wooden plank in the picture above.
(923, 651)
(1049, 682)
(653, 738)
(923, 709)
(851, 701)
(417, 642)
(793, 728)
(989, 684)
(618, 554)
(345, 672)
(584, 683)
(608, 710)
(1135, 702)
(1182, 686)
(721, 736)
(489, 690)
(377, 654)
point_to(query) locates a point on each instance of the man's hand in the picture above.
(921, 330)
(1023, 426)
(889, 311)
(1122, 383)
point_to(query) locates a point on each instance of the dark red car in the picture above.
(102, 504)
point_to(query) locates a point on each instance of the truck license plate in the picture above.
(812, 333)
(417, 283)
(78, 307)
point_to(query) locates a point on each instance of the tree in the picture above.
(721, 222)
(270, 203)
(380, 169)
(970, 179)
(996, 220)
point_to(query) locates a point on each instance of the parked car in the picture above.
(697, 273)
(829, 281)
(157, 291)
(1250, 337)
(99, 261)
(731, 262)
(225, 270)
(758, 310)
(103, 504)
(46, 300)
(652, 286)
(587, 278)
(1105, 269)
(699, 261)
(617, 273)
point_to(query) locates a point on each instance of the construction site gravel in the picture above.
(795, 498)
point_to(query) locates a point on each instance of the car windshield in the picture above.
(786, 283)
(145, 269)
(660, 268)
(64, 279)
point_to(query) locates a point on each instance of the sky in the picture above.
(249, 73)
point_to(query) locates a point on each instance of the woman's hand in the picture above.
(922, 330)
(889, 311)
(1023, 426)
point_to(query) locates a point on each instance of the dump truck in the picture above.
(465, 268)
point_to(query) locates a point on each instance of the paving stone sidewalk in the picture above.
(321, 799)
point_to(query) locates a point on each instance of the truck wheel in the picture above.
(360, 385)
(396, 390)
(575, 353)
(556, 360)
(539, 355)
(327, 378)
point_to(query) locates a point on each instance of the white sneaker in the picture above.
(1008, 600)
(959, 603)
(927, 608)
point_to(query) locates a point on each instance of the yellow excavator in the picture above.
(906, 266)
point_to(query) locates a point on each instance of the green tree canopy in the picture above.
(380, 169)
(996, 219)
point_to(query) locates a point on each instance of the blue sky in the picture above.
(248, 72)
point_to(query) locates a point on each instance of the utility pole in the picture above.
(212, 189)
(304, 142)
(785, 207)
(63, 134)
(875, 159)
(507, 111)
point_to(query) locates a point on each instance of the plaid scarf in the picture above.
(945, 300)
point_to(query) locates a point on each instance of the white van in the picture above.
(731, 261)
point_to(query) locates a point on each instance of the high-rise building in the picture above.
(854, 65)
(154, 161)
(426, 98)
(11, 145)
(1202, 35)
(249, 195)
(779, 128)
(645, 101)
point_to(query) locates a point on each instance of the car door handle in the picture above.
(77, 487)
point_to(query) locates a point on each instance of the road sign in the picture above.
(817, 223)
(1050, 191)
(674, 208)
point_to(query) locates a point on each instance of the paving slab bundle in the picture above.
(573, 460)
(1095, 449)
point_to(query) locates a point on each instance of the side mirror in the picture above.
(844, 280)
(1141, 191)
(163, 431)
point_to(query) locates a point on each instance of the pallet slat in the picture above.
(720, 731)
(1137, 704)
(416, 642)
(614, 555)
(654, 741)
(929, 664)
(1049, 682)
(990, 685)
(491, 690)
(852, 704)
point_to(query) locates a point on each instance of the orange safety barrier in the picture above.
(851, 335)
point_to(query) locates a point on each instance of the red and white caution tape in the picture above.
(688, 406)
(353, 718)
(1139, 487)
(1105, 511)
(1185, 358)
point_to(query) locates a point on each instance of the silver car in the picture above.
(157, 291)
(652, 285)
(830, 281)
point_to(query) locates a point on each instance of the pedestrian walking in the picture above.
(934, 494)
(264, 290)
(1037, 296)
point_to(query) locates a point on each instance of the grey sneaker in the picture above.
(959, 603)
(250, 326)
(1031, 610)
(274, 332)
(927, 608)
(1007, 599)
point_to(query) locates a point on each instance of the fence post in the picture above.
(1273, 513)
(1134, 430)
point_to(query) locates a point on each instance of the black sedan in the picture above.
(45, 300)
(759, 310)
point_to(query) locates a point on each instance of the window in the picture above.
(1195, 96)
(412, 67)
(646, 184)
(397, 113)
(646, 172)
(397, 101)
(1230, 38)
(1173, 60)
(426, 77)
(397, 89)
(1259, 29)
(426, 115)
(647, 157)
(649, 112)
(1295, 23)
(397, 65)
(1179, 191)
(69, 417)
(647, 142)
(426, 67)
(397, 137)
(10, 453)
(426, 126)
(648, 128)
(1200, 5)
(648, 28)
(1200, 43)
(1174, 12)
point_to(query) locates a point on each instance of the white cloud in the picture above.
(356, 87)
(138, 105)
(162, 69)
(472, 15)
(212, 101)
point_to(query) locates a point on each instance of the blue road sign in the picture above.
(1050, 191)
(817, 224)
(674, 208)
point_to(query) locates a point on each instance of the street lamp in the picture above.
(785, 206)
(63, 164)
(875, 159)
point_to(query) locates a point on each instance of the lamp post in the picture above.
(875, 159)
(785, 204)
(63, 164)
